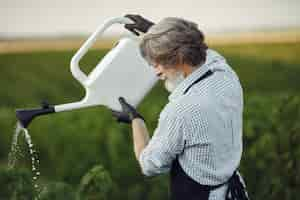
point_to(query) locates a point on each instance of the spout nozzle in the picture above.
(25, 116)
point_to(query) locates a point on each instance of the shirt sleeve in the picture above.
(166, 143)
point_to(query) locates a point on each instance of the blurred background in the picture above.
(86, 154)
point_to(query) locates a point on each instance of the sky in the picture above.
(72, 17)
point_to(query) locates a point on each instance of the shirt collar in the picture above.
(211, 58)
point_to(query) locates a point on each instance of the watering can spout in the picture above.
(25, 116)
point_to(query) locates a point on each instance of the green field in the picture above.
(72, 143)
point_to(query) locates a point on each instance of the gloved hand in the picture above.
(141, 24)
(127, 114)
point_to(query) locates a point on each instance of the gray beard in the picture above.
(171, 84)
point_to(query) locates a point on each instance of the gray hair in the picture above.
(174, 41)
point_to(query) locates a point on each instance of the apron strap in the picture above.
(236, 188)
(207, 74)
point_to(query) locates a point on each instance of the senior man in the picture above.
(199, 133)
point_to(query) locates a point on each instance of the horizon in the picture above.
(35, 18)
(33, 36)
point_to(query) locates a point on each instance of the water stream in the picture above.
(16, 153)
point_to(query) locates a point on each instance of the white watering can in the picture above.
(121, 72)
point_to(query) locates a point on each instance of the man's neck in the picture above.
(187, 70)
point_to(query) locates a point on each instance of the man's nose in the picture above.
(157, 71)
(159, 75)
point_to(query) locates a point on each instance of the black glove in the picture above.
(127, 114)
(141, 24)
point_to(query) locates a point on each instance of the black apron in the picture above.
(183, 187)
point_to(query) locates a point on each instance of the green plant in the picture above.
(57, 190)
(270, 162)
(96, 184)
(16, 184)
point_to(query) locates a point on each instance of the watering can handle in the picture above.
(75, 68)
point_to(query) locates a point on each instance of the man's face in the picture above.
(171, 75)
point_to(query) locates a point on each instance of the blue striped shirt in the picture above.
(203, 127)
